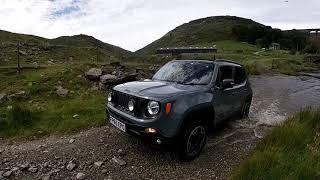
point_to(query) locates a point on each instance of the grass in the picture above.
(291, 151)
(45, 112)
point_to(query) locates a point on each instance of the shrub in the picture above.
(19, 116)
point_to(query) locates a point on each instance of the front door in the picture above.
(224, 99)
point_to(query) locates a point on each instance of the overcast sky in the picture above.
(132, 24)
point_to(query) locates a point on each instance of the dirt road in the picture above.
(105, 153)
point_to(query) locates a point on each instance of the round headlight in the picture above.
(131, 105)
(110, 97)
(153, 107)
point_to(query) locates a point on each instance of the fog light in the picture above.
(159, 141)
(150, 131)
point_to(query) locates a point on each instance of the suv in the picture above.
(184, 99)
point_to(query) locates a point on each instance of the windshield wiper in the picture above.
(194, 84)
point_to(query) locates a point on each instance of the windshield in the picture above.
(186, 72)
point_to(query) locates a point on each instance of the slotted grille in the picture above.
(121, 99)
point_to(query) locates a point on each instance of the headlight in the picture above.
(131, 105)
(153, 107)
(110, 97)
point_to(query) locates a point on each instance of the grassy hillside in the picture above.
(291, 151)
(200, 31)
(39, 50)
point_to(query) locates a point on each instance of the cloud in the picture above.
(133, 24)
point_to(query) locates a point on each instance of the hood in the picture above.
(156, 88)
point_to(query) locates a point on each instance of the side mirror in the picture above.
(227, 83)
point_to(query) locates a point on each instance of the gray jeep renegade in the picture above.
(181, 103)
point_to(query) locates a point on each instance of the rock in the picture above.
(15, 169)
(102, 86)
(1, 173)
(33, 169)
(121, 152)
(72, 141)
(104, 171)
(46, 177)
(7, 174)
(154, 68)
(71, 166)
(119, 161)
(108, 78)
(81, 176)
(95, 87)
(18, 96)
(93, 74)
(99, 163)
(61, 91)
(30, 84)
(75, 116)
(22, 52)
(3, 97)
(24, 167)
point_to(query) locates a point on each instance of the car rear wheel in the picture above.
(193, 140)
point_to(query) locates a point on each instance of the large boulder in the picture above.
(18, 96)
(94, 74)
(108, 78)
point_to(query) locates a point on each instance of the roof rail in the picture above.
(228, 61)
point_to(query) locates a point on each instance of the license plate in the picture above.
(117, 124)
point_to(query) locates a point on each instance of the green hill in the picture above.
(200, 31)
(34, 49)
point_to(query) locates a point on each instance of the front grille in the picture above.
(121, 100)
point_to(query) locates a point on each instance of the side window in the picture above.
(225, 72)
(240, 75)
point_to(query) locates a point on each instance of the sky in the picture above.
(132, 24)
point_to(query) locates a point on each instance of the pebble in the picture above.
(81, 176)
(99, 163)
(46, 177)
(7, 174)
(119, 161)
(71, 166)
(72, 141)
(33, 169)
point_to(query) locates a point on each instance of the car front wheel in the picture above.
(193, 140)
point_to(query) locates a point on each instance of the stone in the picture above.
(18, 96)
(104, 171)
(99, 163)
(62, 91)
(93, 74)
(121, 152)
(117, 63)
(72, 141)
(46, 177)
(81, 176)
(71, 166)
(75, 116)
(15, 169)
(24, 167)
(102, 86)
(7, 174)
(119, 161)
(108, 78)
(33, 169)
(3, 97)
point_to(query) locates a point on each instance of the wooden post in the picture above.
(18, 53)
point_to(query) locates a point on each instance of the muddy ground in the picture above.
(92, 152)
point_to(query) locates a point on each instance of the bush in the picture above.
(311, 49)
(19, 116)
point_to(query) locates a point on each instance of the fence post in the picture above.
(18, 55)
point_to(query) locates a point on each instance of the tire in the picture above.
(192, 141)
(245, 109)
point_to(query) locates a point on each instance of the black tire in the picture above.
(192, 141)
(245, 109)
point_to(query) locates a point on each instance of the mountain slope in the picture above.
(88, 41)
(200, 31)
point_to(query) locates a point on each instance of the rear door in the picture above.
(240, 89)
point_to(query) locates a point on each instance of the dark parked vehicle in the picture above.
(184, 100)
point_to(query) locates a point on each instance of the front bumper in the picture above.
(136, 127)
